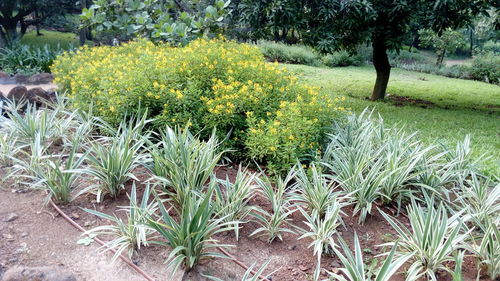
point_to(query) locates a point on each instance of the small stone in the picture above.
(75, 216)
(44, 273)
(335, 270)
(295, 273)
(18, 93)
(41, 78)
(21, 78)
(292, 247)
(11, 217)
(303, 267)
(8, 237)
(22, 249)
(335, 264)
(87, 223)
(290, 268)
(24, 234)
(4, 75)
(38, 95)
(13, 260)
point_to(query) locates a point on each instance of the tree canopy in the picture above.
(173, 20)
(23, 13)
(333, 24)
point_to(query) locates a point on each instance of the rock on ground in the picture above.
(11, 217)
(4, 75)
(41, 78)
(21, 78)
(18, 93)
(43, 273)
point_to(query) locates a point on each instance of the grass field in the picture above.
(51, 38)
(443, 109)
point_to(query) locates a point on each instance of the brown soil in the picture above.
(41, 237)
(403, 101)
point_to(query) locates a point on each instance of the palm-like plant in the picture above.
(231, 201)
(191, 237)
(273, 224)
(488, 251)
(355, 158)
(402, 153)
(433, 239)
(29, 162)
(321, 231)
(360, 177)
(463, 158)
(131, 234)
(315, 191)
(447, 167)
(60, 176)
(457, 273)
(355, 269)
(33, 122)
(9, 147)
(480, 198)
(112, 165)
(183, 162)
(435, 173)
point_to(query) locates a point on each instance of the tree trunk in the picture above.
(37, 23)
(414, 42)
(440, 57)
(383, 68)
(11, 34)
(2, 39)
(83, 31)
(471, 41)
(24, 28)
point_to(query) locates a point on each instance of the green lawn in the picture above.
(52, 38)
(447, 109)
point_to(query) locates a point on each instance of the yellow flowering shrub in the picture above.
(208, 83)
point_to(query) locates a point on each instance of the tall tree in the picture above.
(276, 20)
(17, 15)
(333, 24)
(346, 23)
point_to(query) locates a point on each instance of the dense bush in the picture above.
(24, 59)
(486, 67)
(341, 58)
(62, 23)
(455, 71)
(492, 46)
(405, 57)
(206, 84)
(296, 54)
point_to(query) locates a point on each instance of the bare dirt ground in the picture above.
(39, 237)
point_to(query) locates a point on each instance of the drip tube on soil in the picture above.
(129, 262)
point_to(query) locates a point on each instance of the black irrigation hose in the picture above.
(130, 263)
(122, 257)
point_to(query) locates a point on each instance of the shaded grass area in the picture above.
(443, 109)
(51, 38)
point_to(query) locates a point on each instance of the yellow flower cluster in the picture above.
(211, 83)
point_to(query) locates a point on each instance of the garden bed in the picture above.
(50, 240)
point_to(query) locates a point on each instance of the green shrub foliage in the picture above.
(257, 107)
